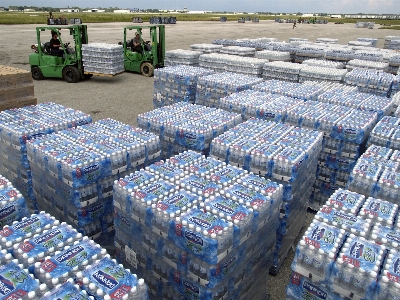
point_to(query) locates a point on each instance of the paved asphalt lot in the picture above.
(125, 96)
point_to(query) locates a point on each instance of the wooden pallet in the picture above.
(101, 74)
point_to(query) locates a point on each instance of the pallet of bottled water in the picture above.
(367, 64)
(324, 63)
(190, 126)
(199, 225)
(211, 88)
(385, 133)
(42, 258)
(282, 71)
(372, 81)
(321, 73)
(309, 51)
(369, 40)
(350, 97)
(176, 84)
(281, 153)
(375, 175)
(206, 48)
(73, 171)
(392, 42)
(301, 40)
(359, 43)
(213, 61)
(257, 104)
(182, 57)
(360, 231)
(327, 40)
(17, 126)
(368, 55)
(237, 50)
(342, 54)
(103, 58)
(271, 55)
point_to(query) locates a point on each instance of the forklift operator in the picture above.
(55, 46)
(137, 43)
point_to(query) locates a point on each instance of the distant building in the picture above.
(1, 8)
(95, 10)
(28, 10)
(122, 11)
(336, 16)
(199, 12)
(69, 10)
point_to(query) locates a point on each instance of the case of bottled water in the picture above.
(356, 268)
(176, 83)
(103, 58)
(346, 201)
(316, 252)
(198, 233)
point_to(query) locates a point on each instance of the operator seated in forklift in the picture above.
(137, 43)
(55, 45)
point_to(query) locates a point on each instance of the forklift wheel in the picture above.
(71, 74)
(147, 69)
(37, 73)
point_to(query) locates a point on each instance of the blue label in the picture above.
(105, 279)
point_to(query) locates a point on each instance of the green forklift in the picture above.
(69, 66)
(153, 51)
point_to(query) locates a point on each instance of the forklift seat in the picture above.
(47, 48)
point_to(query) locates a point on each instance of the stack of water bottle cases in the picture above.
(42, 258)
(351, 248)
(184, 126)
(17, 126)
(280, 152)
(74, 170)
(176, 84)
(197, 228)
(103, 58)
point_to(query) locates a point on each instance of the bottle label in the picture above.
(113, 279)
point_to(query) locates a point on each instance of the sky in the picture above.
(277, 6)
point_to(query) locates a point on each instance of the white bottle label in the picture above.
(131, 256)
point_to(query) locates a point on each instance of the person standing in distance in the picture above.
(294, 24)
